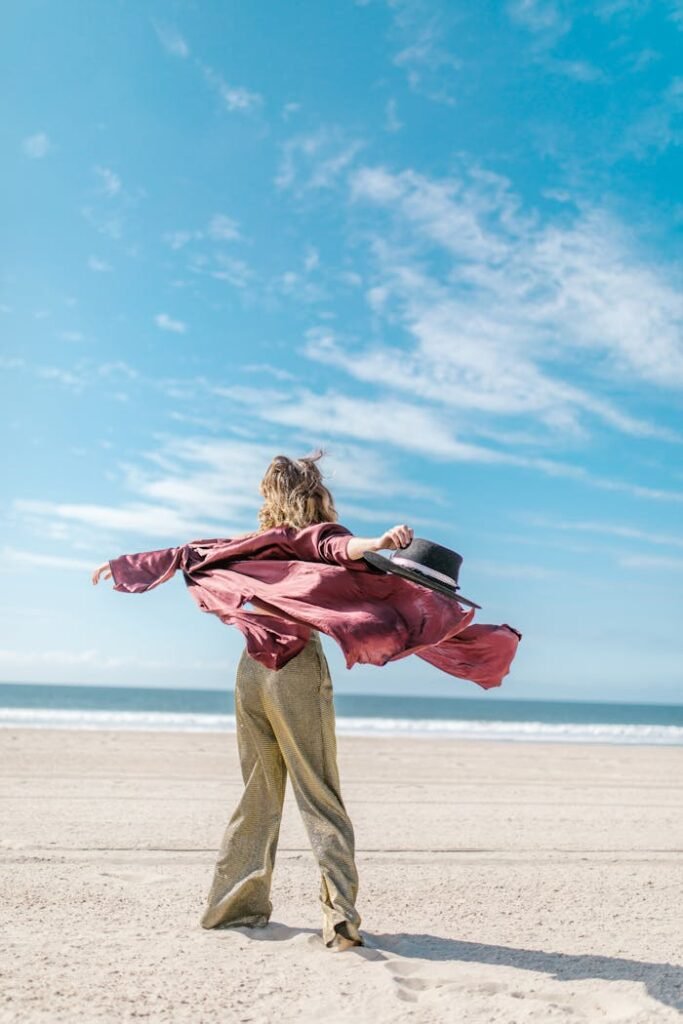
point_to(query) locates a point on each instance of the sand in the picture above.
(500, 882)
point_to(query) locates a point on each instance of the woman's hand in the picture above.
(102, 570)
(396, 537)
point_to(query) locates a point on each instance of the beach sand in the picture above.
(500, 882)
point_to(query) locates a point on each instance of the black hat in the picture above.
(425, 562)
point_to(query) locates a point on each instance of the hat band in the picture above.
(408, 563)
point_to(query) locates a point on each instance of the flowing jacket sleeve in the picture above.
(134, 574)
(324, 542)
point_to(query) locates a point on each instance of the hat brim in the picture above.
(388, 565)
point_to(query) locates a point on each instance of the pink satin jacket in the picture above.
(308, 582)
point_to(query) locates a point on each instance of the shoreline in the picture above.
(467, 730)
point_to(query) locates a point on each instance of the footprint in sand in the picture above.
(402, 967)
(409, 985)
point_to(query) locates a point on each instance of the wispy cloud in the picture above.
(142, 518)
(223, 228)
(545, 18)
(36, 146)
(408, 427)
(213, 261)
(117, 366)
(110, 182)
(108, 224)
(513, 570)
(86, 373)
(36, 560)
(171, 40)
(189, 488)
(578, 70)
(99, 659)
(167, 323)
(420, 34)
(234, 271)
(316, 160)
(299, 286)
(650, 562)
(421, 55)
(657, 128)
(98, 266)
(516, 295)
(109, 205)
(643, 59)
(178, 239)
(275, 371)
(220, 228)
(619, 530)
(548, 22)
(392, 122)
(235, 98)
(70, 379)
(311, 259)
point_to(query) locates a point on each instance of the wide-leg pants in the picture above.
(285, 724)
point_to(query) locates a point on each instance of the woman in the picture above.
(286, 725)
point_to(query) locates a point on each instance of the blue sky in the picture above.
(440, 240)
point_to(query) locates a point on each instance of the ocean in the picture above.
(38, 706)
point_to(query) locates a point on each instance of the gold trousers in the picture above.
(285, 724)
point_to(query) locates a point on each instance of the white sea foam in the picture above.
(478, 729)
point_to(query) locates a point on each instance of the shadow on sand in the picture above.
(663, 982)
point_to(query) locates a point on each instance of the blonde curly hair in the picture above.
(294, 494)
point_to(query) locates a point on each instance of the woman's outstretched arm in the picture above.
(103, 570)
(396, 537)
(134, 574)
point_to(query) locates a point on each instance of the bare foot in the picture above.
(342, 940)
(340, 943)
